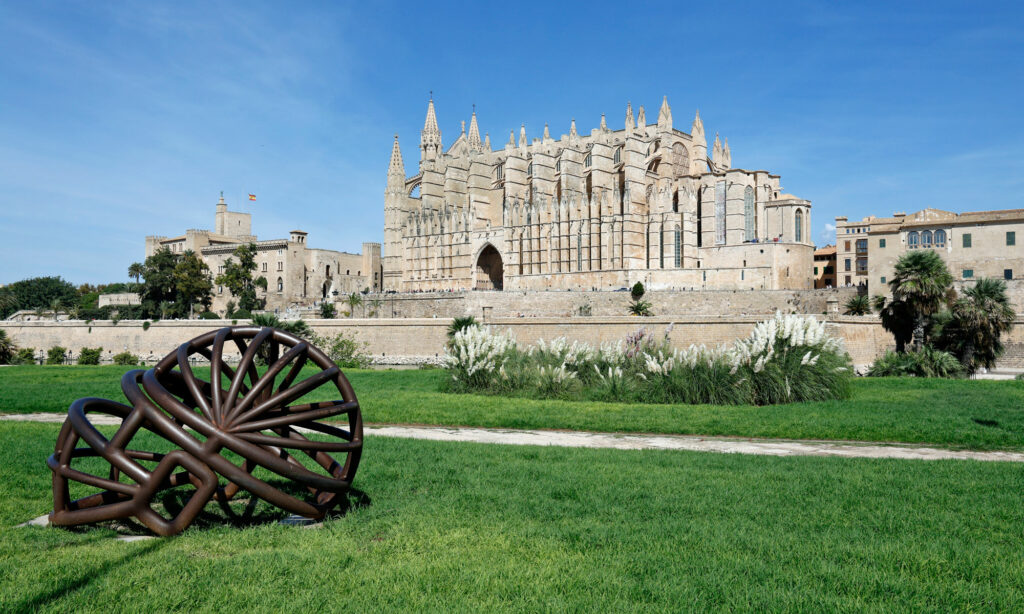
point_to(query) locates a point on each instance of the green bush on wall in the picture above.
(126, 359)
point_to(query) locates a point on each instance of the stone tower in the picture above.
(394, 199)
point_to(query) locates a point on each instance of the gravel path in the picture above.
(619, 441)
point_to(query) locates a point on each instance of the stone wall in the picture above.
(416, 340)
(554, 303)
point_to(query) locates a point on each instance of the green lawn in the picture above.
(478, 528)
(956, 413)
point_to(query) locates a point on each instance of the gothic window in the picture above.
(529, 169)
(748, 214)
(678, 250)
(926, 238)
(799, 223)
(280, 285)
(579, 248)
(586, 161)
(499, 172)
(940, 238)
(912, 240)
(618, 155)
(675, 202)
(720, 213)
(558, 166)
(682, 159)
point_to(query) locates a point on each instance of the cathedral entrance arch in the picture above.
(490, 270)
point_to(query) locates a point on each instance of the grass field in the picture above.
(955, 413)
(477, 528)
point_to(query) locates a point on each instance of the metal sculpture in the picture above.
(203, 420)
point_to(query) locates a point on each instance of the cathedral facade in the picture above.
(600, 211)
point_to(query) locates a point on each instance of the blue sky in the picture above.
(123, 119)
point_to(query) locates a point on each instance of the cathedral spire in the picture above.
(629, 118)
(604, 123)
(572, 129)
(487, 141)
(727, 154)
(697, 130)
(512, 138)
(396, 166)
(474, 132)
(641, 118)
(430, 138)
(716, 151)
(664, 115)
(522, 136)
(547, 133)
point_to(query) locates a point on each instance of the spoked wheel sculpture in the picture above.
(237, 411)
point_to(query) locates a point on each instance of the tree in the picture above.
(160, 285)
(920, 286)
(193, 281)
(37, 293)
(375, 305)
(972, 329)
(8, 349)
(460, 324)
(327, 310)
(237, 278)
(353, 301)
(135, 271)
(858, 305)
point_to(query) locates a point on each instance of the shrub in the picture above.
(55, 355)
(786, 359)
(928, 362)
(328, 310)
(345, 351)
(24, 356)
(126, 358)
(90, 356)
(637, 291)
(208, 315)
(146, 325)
(242, 314)
(640, 308)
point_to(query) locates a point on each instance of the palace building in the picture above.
(589, 211)
(297, 275)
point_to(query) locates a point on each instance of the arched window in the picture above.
(529, 168)
(499, 172)
(579, 247)
(926, 238)
(280, 284)
(682, 159)
(675, 202)
(678, 249)
(912, 240)
(940, 238)
(799, 226)
(618, 155)
(719, 212)
(586, 161)
(558, 166)
(748, 214)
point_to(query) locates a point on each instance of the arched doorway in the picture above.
(489, 269)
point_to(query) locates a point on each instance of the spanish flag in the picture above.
(252, 197)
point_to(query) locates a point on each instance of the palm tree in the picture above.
(859, 305)
(135, 271)
(375, 305)
(973, 328)
(460, 324)
(7, 348)
(923, 284)
(353, 301)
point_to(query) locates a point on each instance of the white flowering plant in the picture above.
(785, 359)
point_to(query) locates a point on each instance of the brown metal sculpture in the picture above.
(202, 421)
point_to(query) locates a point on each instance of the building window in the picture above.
(967, 239)
(926, 238)
(586, 161)
(940, 238)
(220, 289)
(280, 285)
(883, 279)
(912, 240)
(558, 166)
(799, 223)
(829, 270)
(748, 213)
(720, 212)
(264, 267)
(579, 248)
(862, 266)
(529, 168)
(678, 249)
(499, 172)
(968, 273)
(847, 246)
(862, 246)
(1007, 274)
(846, 265)
(618, 155)
(847, 279)
(881, 243)
(815, 270)
(1011, 238)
